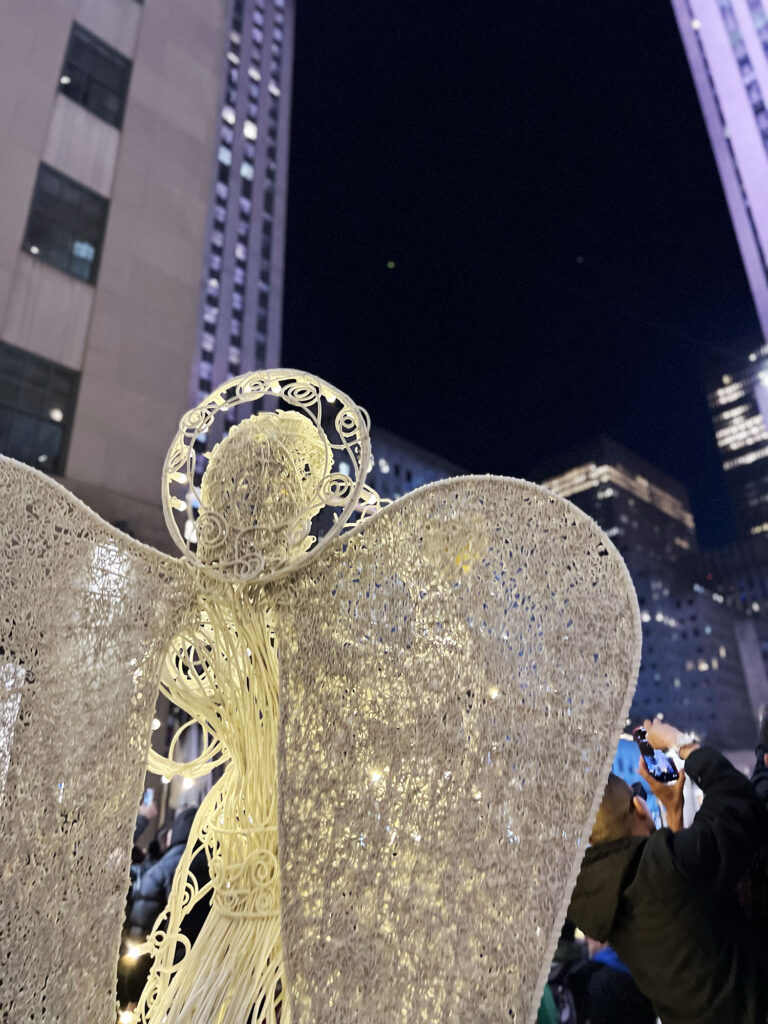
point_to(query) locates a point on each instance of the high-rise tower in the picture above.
(726, 42)
(694, 667)
(241, 307)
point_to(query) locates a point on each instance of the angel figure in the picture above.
(414, 707)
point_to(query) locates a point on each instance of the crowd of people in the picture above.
(674, 919)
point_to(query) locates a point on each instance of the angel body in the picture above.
(383, 704)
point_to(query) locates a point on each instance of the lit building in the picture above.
(115, 194)
(738, 402)
(399, 466)
(693, 665)
(726, 43)
(241, 306)
(644, 511)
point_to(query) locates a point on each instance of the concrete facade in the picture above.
(131, 334)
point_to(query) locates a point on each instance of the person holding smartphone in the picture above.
(665, 899)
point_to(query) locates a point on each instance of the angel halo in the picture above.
(251, 519)
(388, 838)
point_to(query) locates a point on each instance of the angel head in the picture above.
(261, 489)
(251, 512)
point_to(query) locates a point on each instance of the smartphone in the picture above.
(659, 765)
(149, 796)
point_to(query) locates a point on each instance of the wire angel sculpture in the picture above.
(415, 714)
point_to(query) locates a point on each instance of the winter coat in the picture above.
(152, 888)
(760, 775)
(667, 904)
(605, 992)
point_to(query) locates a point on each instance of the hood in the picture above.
(182, 826)
(606, 871)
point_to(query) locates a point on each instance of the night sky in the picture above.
(541, 177)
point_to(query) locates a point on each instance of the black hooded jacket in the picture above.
(151, 890)
(667, 904)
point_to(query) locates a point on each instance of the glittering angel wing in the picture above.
(454, 677)
(84, 614)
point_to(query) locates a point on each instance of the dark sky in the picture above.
(542, 178)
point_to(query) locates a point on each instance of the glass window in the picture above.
(37, 406)
(95, 76)
(66, 224)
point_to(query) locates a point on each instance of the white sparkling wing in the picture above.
(84, 612)
(454, 678)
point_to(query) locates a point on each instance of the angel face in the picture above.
(247, 516)
(262, 488)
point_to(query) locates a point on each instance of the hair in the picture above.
(764, 732)
(614, 817)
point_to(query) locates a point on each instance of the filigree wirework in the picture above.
(405, 791)
(280, 469)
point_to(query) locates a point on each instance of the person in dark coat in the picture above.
(605, 992)
(760, 771)
(152, 888)
(666, 901)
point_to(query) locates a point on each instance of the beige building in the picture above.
(110, 187)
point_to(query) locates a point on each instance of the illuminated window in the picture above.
(95, 75)
(66, 224)
(37, 406)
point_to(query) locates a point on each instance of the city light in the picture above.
(156, 723)
(56, 414)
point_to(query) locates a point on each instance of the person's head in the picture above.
(622, 813)
(182, 825)
(161, 841)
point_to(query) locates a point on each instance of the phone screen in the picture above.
(149, 796)
(659, 765)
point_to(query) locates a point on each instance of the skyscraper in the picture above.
(399, 466)
(142, 209)
(726, 42)
(241, 306)
(698, 668)
(738, 402)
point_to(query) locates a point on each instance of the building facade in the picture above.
(240, 318)
(112, 130)
(696, 670)
(726, 43)
(738, 403)
(399, 466)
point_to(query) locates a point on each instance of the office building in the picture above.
(726, 43)
(240, 320)
(399, 466)
(118, 208)
(696, 668)
(738, 403)
(645, 512)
